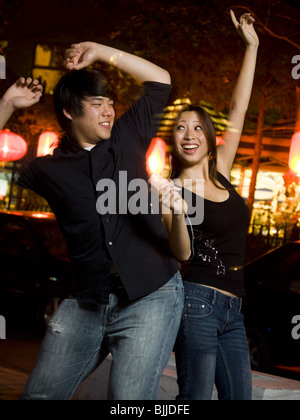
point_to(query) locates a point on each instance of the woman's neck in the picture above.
(200, 171)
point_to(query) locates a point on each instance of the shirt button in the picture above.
(110, 243)
(106, 220)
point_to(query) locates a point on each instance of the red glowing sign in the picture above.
(156, 156)
(12, 146)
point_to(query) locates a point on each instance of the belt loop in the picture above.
(215, 293)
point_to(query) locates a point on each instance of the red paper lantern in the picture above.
(47, 143)
(294, 160)
(12, 146)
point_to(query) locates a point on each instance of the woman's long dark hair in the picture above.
(210, 136)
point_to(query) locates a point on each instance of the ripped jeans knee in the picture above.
(68, 353)
(55, 327)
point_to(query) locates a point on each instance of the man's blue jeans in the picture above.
(212, 347)
(140, 336)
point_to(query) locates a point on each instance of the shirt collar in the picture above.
(67, 144)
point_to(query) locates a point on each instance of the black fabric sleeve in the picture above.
(28, 178)
(143, 118)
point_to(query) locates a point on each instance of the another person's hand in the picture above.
(23, 94)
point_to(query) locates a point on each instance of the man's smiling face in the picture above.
(96, 122)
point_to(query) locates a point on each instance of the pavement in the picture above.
(12, 383)
(265, 387)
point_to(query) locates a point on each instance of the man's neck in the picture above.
(83, 144)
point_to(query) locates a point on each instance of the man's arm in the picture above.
(85, 54)
(22, 94)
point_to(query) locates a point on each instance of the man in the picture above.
(128, 296)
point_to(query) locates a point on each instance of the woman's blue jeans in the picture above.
(140, 336)
(212, 347)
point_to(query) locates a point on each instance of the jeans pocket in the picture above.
(197, 307)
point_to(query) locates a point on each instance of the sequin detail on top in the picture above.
(205, 250)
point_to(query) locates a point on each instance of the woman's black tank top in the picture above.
(219, 243)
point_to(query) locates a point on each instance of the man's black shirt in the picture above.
(136, 244)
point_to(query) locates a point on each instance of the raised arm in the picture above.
(22, 94)
(85, 54)
(241, 94)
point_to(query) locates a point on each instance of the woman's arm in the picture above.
(85, 54)
(173, 209)
(241, 94)
(179, 238)
(22, 94)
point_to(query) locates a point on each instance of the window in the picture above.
(49, 65)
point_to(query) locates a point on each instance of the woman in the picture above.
(212, 346)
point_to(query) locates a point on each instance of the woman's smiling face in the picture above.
(190, 144)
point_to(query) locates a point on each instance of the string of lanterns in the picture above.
(13, 147)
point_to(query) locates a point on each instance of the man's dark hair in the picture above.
(73, 88)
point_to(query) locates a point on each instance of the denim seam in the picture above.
(186, 361)
(229, 379)
(81, 374)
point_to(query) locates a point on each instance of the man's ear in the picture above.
(67, 114)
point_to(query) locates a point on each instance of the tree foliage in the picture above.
(194, 39)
